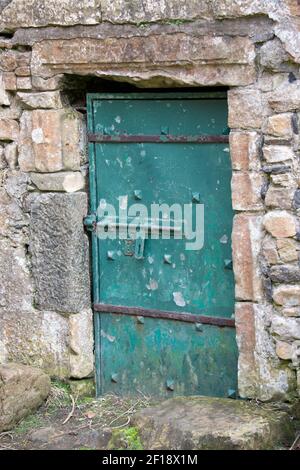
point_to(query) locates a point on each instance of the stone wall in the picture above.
(253, 47)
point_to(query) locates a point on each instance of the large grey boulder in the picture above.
(22, 390)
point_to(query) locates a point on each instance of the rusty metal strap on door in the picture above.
(159, 139)
(164, 315)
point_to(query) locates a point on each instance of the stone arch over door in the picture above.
(263, 123)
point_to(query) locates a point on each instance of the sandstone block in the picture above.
(284, 350)
(279, 198)
(246, 109)
(11, 155)
(285, 98)
(66, 181)
(287, 295)
(277, 153)
(246, 191)
(81, 344)
(245, 150)
(9, 129)
(285, 273)
(279, 125)
(286, 328)
(43, 100)
(23, 83)
(287, 250)
(280, 224)
(246, 245)
(50, 140)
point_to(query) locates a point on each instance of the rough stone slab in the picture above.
(43, 100)
(181, 57)
(66, 181)
(285, 273)
(205, 423)
(22, 390)
(20, 13)
(81, 344)
(59, 251)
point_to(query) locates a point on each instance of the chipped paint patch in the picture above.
(224, 239)
(110, 338)
(179, 299)
(153, 285)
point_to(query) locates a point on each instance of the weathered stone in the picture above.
(246, 191)
(36, 338)
(285, 180)
(22, 71)
(4, 98)
(284, 350)
(286, 328)
(15, 283)
(277, 153)
(269, 250)
(246, 339)
(20, 12)
(81, 344)
(287, 295)
(8, 61)
(43, 435)
(246, 243)
(279, 198)
(50, 140)
(246, 109)
(279, 125)
(42, 84)
(276, 169)
(164, 52)
(285, 273)
(287, 250)
(245, 150)
(272, 55)
(44, 100)
(9, 129)
(67, 181)
(9, 81)
(124, 11)
(11, 155)
(291, 312)
(23, 83)
(190, 423)
(280, 224)
(59, 252)
(22, 390)
(285, 98)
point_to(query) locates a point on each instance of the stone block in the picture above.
(81, 343)
(22, 390)
(246, 341)
(66, 181)
(287, 295)
(234, 57)
(23, 83)
(277, 153)
(59, 250)
(246, 109)
(42, 100)
(287, 250)
(286, 328)
(285, 98)
(9, 129)
(9, 81)
(279, 125)
(4, 98)
(245, 150)
(246, 191)
(246, 245)
(279, 198)
(285, 273)
(206, 423)
(11, 155)
(280, 224)
(50, 140)
(269, 250)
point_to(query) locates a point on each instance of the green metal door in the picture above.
(163, 313)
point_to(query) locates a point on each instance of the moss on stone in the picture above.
(127, 438)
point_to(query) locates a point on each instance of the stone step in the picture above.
(206, 423)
